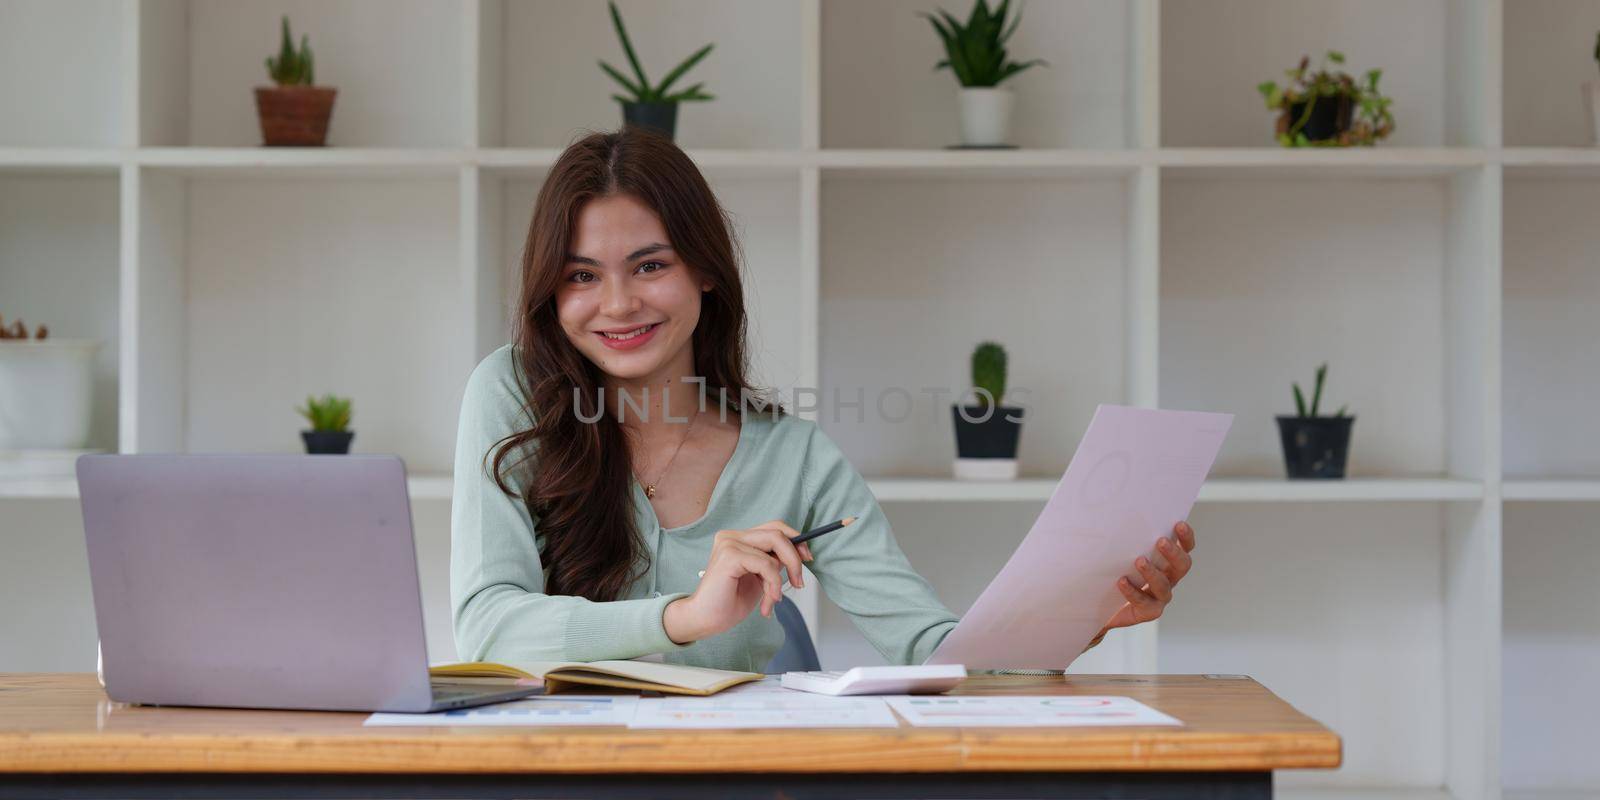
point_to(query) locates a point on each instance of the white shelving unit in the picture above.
(1147, 246)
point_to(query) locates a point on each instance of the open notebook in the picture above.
(646, 676)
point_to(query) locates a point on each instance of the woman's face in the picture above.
(626, 300)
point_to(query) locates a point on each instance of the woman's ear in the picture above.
(705, 286)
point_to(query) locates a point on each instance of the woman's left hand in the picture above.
(1172, 561)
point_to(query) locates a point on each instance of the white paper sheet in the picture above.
(1136, 473)
(1025, 711)
(763, 709)
(539, 710)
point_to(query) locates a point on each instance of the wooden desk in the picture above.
(61, 737)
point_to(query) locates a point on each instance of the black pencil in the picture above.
(828, 528)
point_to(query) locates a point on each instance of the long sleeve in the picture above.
(861, 568)
(499, 608)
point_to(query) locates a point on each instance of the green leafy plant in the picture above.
(989, 372)
(292, 67)
(976, 51)
(641, 90)
(1371, 120)
(1316, 396)
(330, 413)
(20, 331)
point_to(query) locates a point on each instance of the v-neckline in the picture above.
(734, 462)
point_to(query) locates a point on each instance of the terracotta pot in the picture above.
(294, 116)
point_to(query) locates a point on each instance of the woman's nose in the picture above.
(619, 300)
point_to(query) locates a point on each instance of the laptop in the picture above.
(261, 581)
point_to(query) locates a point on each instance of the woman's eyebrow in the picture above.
(574, 258)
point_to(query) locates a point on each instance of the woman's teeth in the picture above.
(630, 334)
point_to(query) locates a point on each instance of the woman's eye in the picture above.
(581, 276)
(659, 266)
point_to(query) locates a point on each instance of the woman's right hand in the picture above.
(743, 571)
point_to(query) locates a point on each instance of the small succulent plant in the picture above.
(641, 90)
(1316, 397)
(976, 51)
(18, 330)
(329, 413)
(292, 67)
(989, 372)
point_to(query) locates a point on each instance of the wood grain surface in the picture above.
(65, 723)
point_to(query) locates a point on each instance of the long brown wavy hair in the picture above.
(579, 480)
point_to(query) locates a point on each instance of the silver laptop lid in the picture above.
(259, 581)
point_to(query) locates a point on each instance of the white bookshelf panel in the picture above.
(916, 272)
(1549, 54)
(50, 625)
(764, 211)
(297, 287)
(59, 240)
(1214, 54)
(56, 101)
(1551, 292)
(553, 89)
(396, 63)
(1339, 609)
(1552, 643)
(1264, 280)
(880, 89)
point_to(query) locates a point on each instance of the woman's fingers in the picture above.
(759, 562)
(1176, 560)
(1144, 605)
(1157, 583)
(1185, 535)
(774, 537)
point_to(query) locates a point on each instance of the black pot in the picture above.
(662, 117)
(1330, 117)
(993, 436)
(327, 443)
(1315, 447)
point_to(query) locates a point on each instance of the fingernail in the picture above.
(1143, 562)
(1165, 544)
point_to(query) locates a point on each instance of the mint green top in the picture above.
(785, 469)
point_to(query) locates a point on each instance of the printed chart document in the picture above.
(1026, 711)
(1136, 473)
(763, 709)
(538, 710)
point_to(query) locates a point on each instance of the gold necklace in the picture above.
(650, 488)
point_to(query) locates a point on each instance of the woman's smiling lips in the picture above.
(635, 338)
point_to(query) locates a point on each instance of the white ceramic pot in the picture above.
(1591, 93)
(46, 393)
(986, 116)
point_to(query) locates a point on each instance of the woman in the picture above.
(620, 492)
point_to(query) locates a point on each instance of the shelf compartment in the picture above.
(1214, 54)
(397, 64)
(1302, 163)
(1294, 597)
(60, 266)
(916, 272)
(53, 100)
(1551, 290)
(880, 90)
(275, 289)
(544, 87)
(1548, 55)
(1253, 299)
(1552, 642)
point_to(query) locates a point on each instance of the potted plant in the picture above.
(1315, 446)
(294, 112)
(1591, 92)
(650, 106)
(976, 53)
(1328, 109)
(330, 420)
(46, 389)
(987, 431)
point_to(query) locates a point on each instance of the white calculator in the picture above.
(916, 679)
